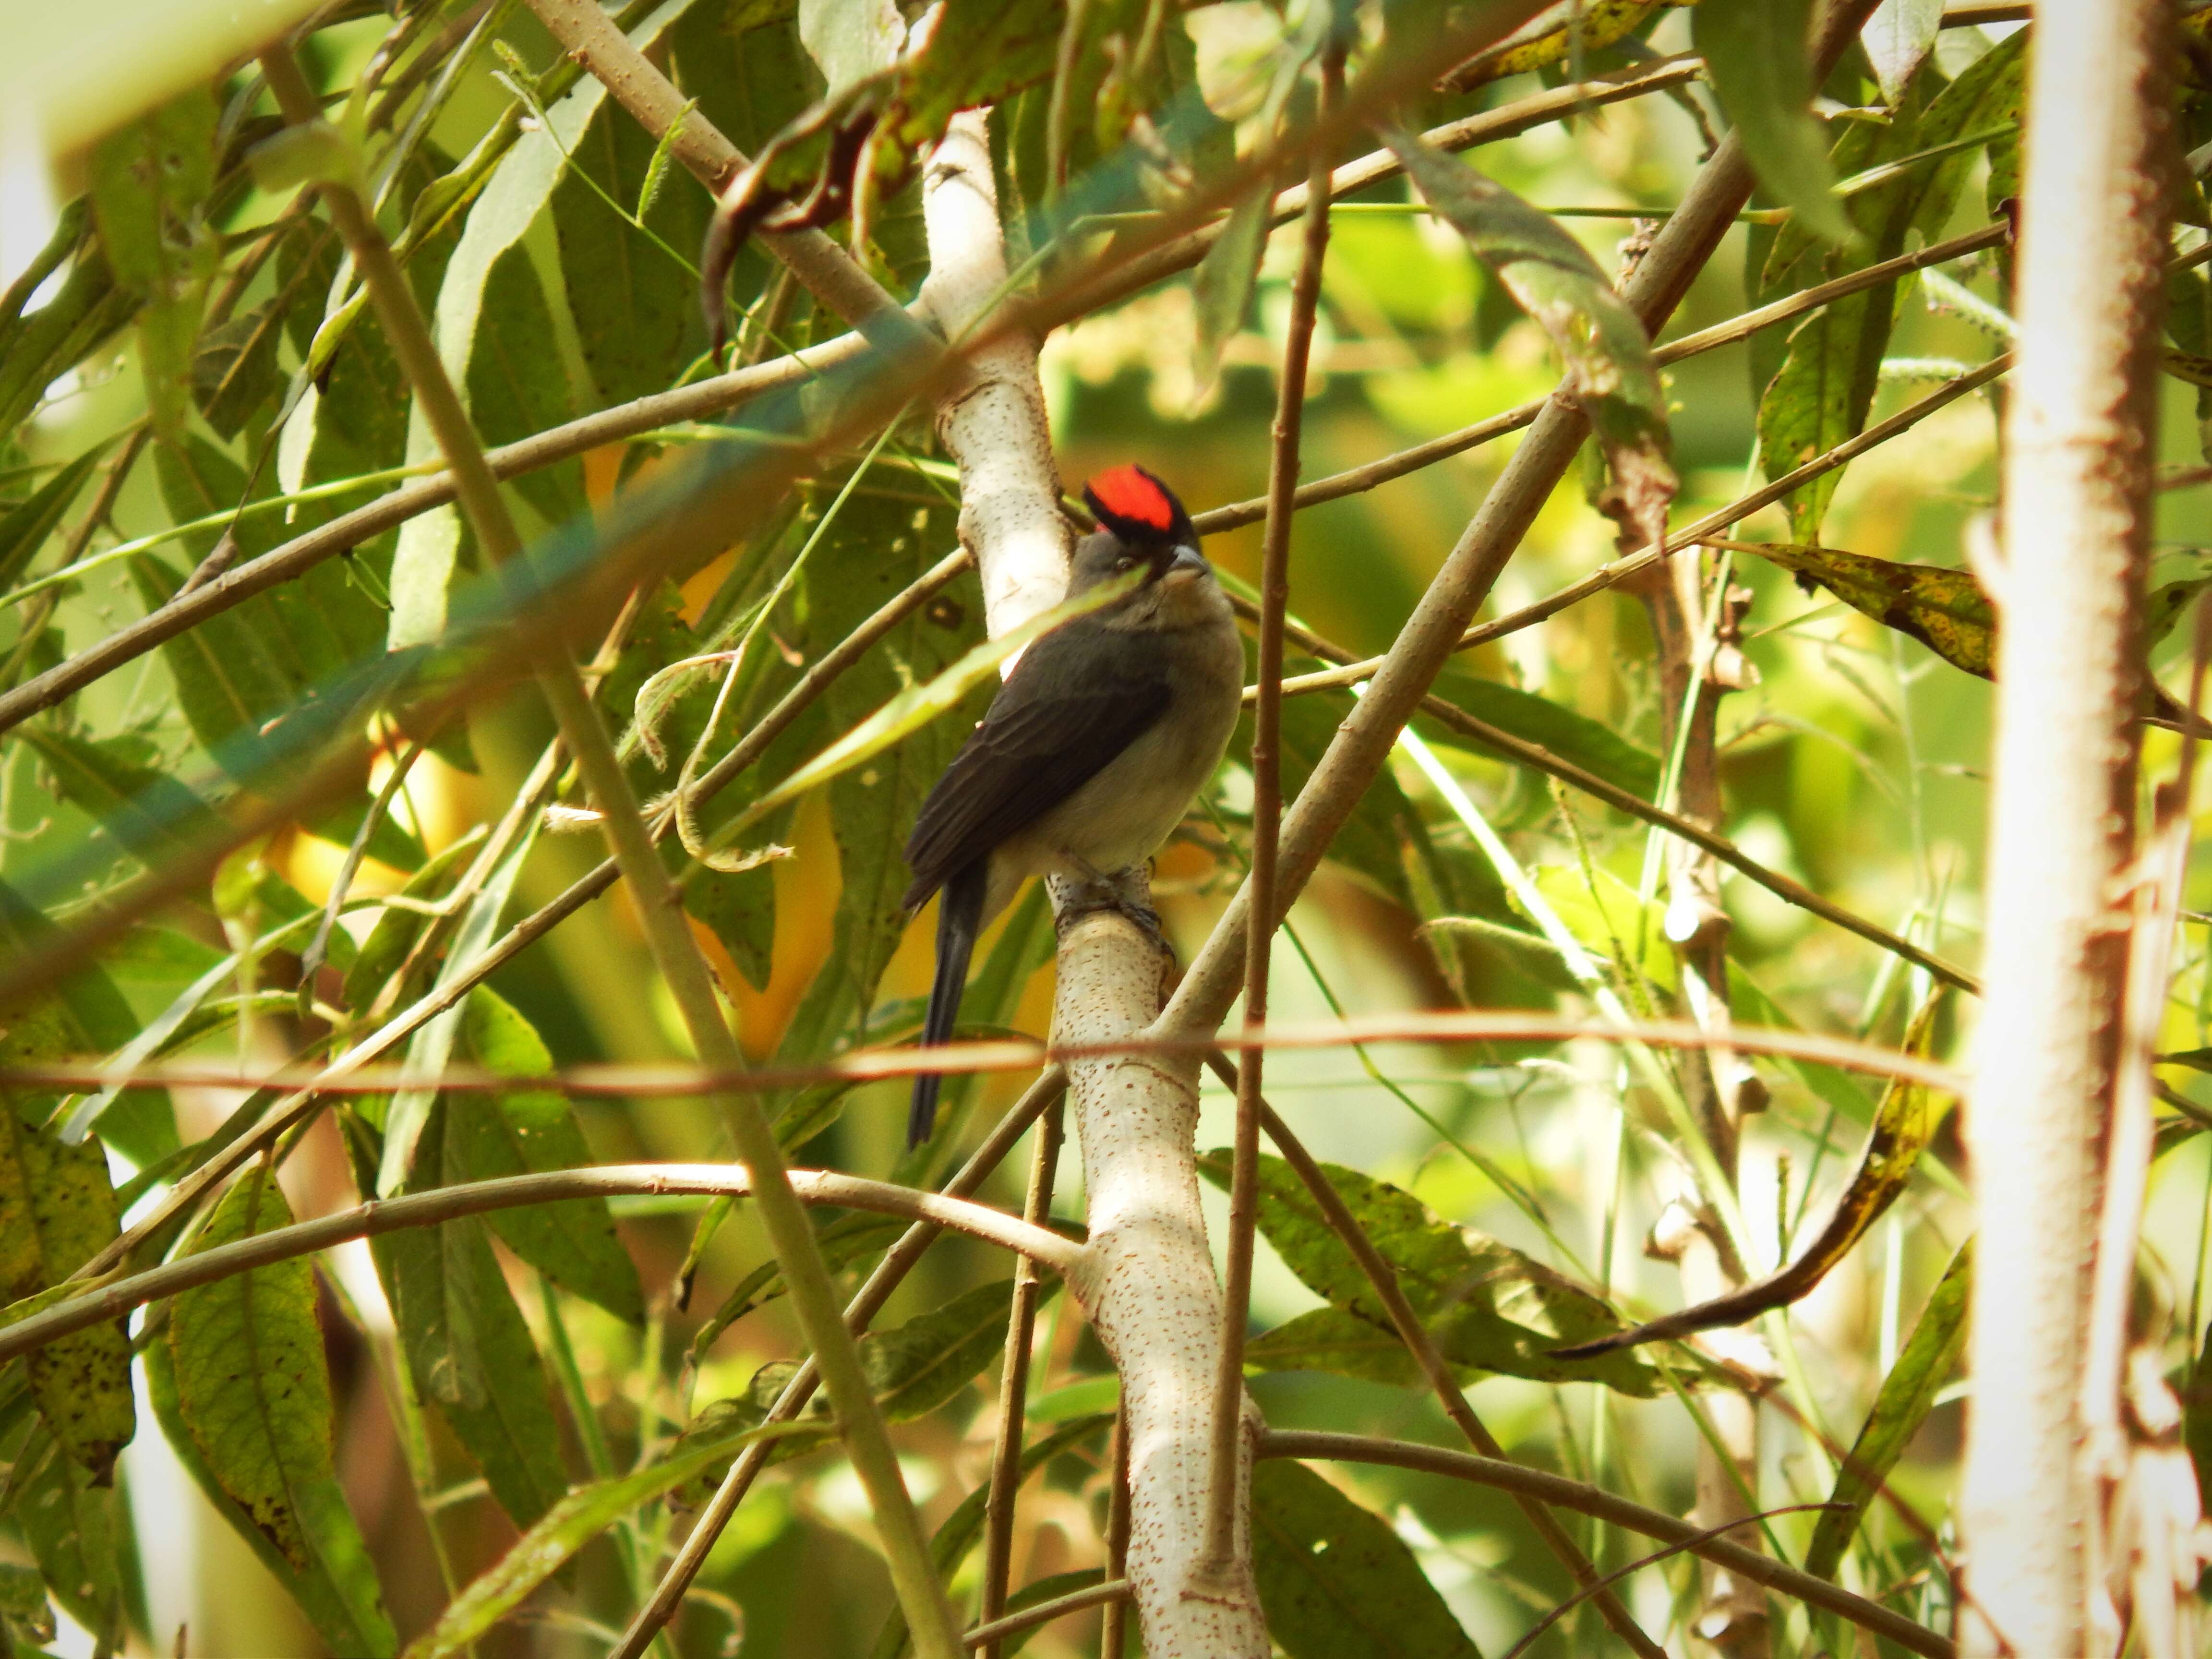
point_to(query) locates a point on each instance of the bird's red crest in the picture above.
(1130, 495)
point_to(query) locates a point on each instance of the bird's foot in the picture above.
(1125, 893)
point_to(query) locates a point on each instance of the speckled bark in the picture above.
(994, 423)
(1149, 1283)
(1148, 1280)
(2076, 507)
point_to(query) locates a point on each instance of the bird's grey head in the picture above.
(1142, 525)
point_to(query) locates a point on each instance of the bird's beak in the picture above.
(1188, 562)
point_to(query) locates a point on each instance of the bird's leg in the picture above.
(1079, 889)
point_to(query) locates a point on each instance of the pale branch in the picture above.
(112, 1298)
(674, 950)
(2041, 1511)
(1538, 757)
(616, 1081)
(1226, 1492)
(1595, 1502)
(1013, 1384)
(1611, 573)
(1415, 1335)
(899, 1261)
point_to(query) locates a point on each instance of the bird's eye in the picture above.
(1124, 562)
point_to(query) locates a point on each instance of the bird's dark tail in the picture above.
(959, 919)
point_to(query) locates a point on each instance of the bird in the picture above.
(1094, 747)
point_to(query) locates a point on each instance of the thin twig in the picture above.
(1008, 1054)
(889, 1273)
(988, 1635)
(1224, 1493)
(1415, 1335)
(376, 1217)
(1013, 1385)
(1595, 1501)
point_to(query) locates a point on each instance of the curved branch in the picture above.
(1064, 1255)
(1563, 1493)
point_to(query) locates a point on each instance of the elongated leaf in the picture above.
(1487, 1305)
(1221, 288)
(57, 1210)
(1908, 1393)
(843, 1242)
(250, 1391)
(851, 40)
(1945, 610)
(1898, 38)
(77, 1532)
(565, 1528)
(1335, 1581)
(1591, 744)
(956, 1537)
(24, 530)
(149, 180)
(1821, 392)
(916, 1367)
(145, 809)
(1904, 1123)
(23, 1605)
(1755, 54)
(636, 306)
(396, 930)
(529, 1130)
(1372, 838)
(469, 1350)
(234, 369)
(1606, 354)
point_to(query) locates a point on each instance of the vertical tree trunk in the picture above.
(2076, 511)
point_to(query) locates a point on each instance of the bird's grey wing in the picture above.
(1058, 722)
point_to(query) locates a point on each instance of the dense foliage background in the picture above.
(184, 386)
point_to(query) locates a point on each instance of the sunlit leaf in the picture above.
(1898, 38)
(1585, 27)
(1335, 1581)
(1924, 1365)
(245, 1392)
(1221, 288)
(27, 525)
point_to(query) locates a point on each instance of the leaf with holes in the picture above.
(250, 1393)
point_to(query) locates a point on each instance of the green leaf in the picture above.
(234, 369)
(1898, 38)
(1755, 56)
(1591, 744)
(1603, 348)
(1038, 1591)
(1588, 28)
(150, 181)
(916, 1367)
(1908, 1393)
(23, 1605)
(851, 40)
(24, 530)
(956, 1537)
(470, 1350)
(843, 1242)
(1221, 288)
(565, 1528)
(78, 1534)
(531, 1131)
(248, 1390)
(1370, 840)
(396, 930)
(1335, 1581)
(636, 307)
(58, 1210)
(1487, 1306)
(1821, 392)
(1945, 610)
(145, 809)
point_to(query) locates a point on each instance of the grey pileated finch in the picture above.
(1095, 746)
